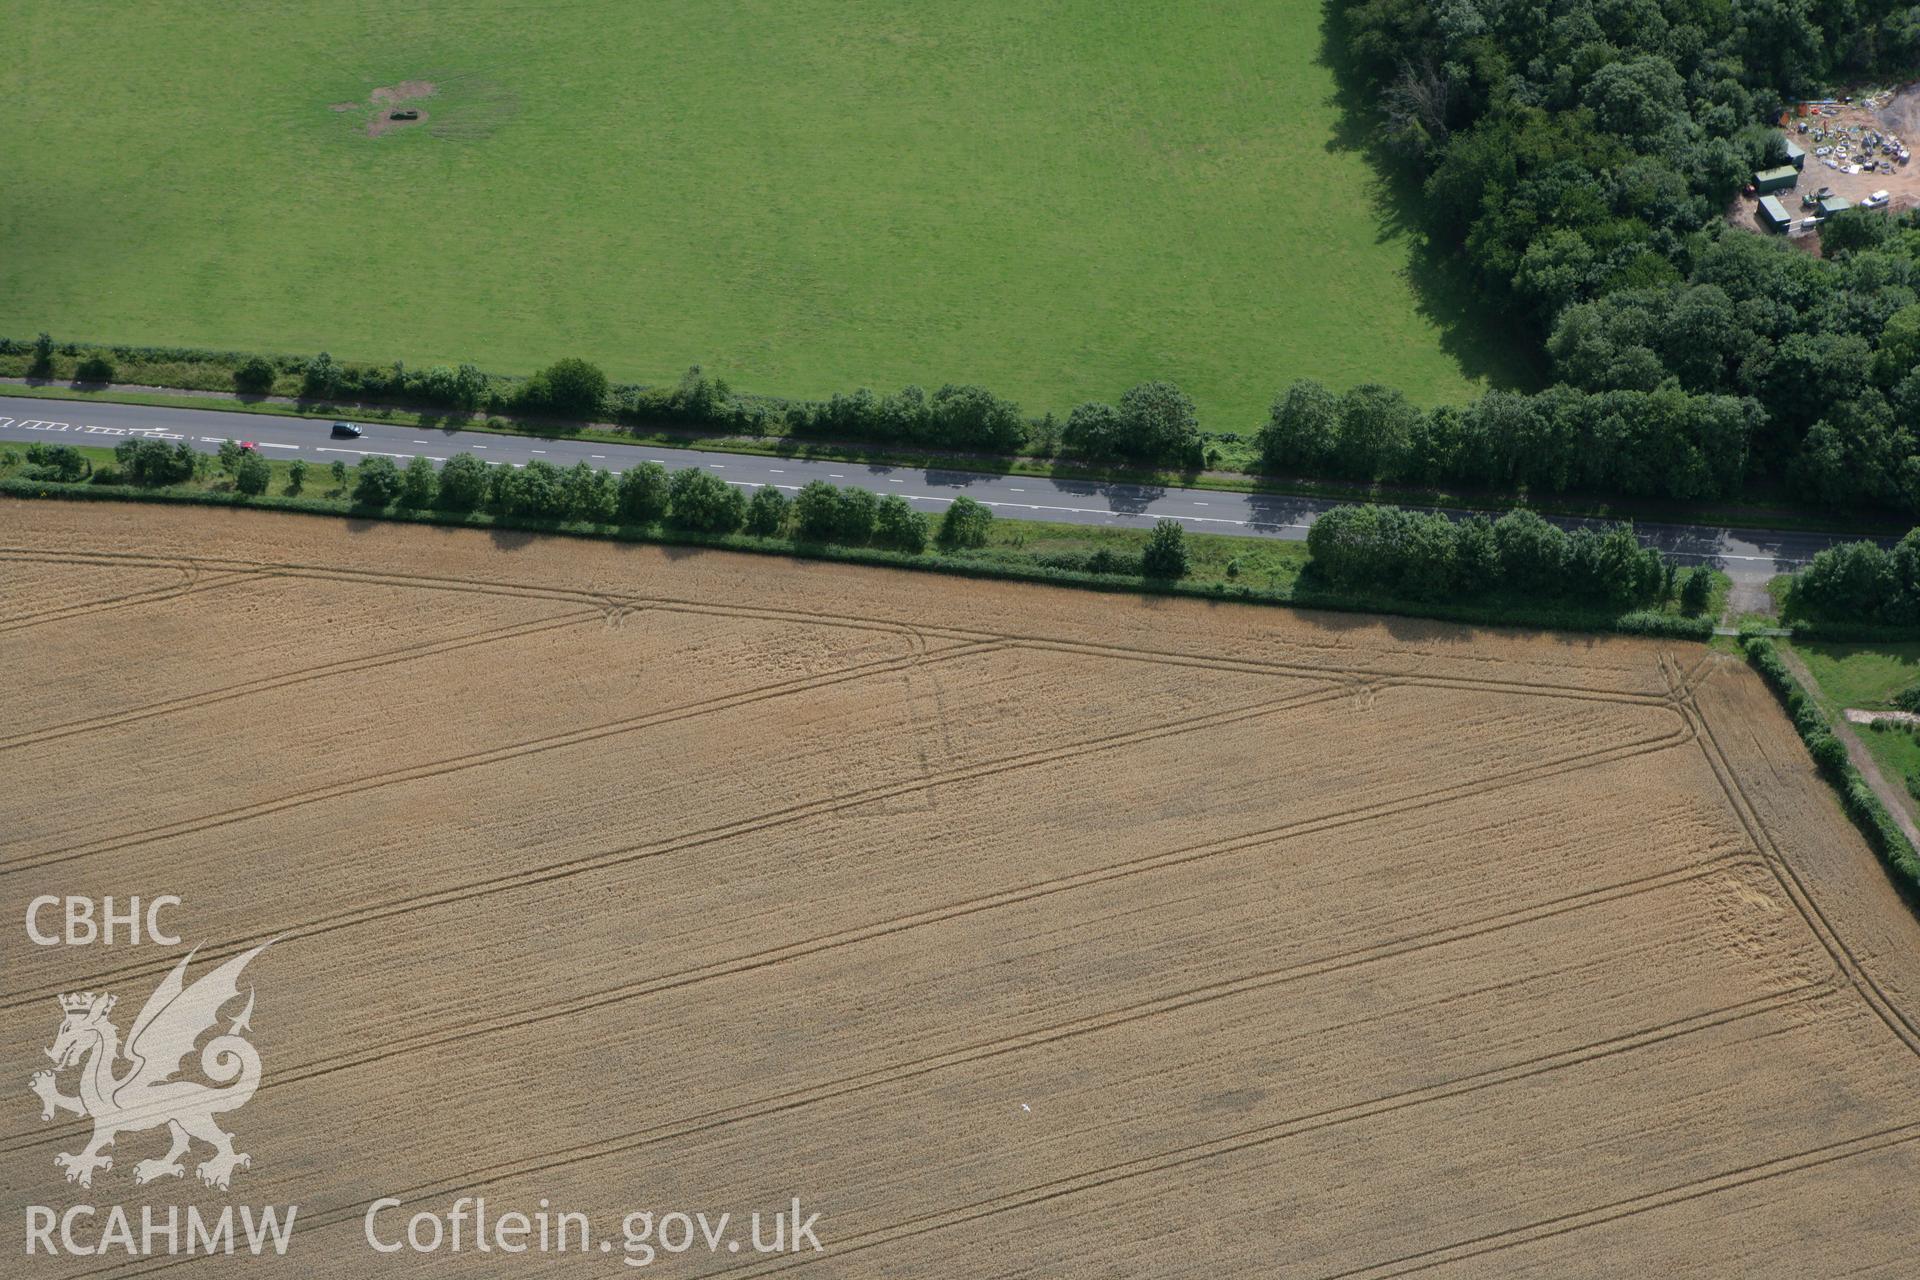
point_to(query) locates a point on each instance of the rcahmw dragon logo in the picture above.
(145, 1094)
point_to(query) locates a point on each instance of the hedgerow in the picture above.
(1830, 756)
(638, 506)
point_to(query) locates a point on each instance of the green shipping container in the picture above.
(1781, 179)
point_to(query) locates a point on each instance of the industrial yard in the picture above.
(1839, 154)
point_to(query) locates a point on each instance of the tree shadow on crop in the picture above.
(507, 539)
(1338, 613)
(1485, 343)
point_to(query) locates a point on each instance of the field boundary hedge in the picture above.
(1830, 757)
(1852, 632)
(1639, 622)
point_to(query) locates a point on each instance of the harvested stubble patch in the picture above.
(992, 921)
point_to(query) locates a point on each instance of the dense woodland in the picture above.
(1580, 155)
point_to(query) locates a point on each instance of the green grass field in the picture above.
(1054, 200)
(1861, 675)
(1867, 676)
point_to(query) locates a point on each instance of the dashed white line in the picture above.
(365, 453)
(268, 444)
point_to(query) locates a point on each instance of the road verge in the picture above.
(1002, 563)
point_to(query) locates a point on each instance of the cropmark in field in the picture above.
(1011, 931)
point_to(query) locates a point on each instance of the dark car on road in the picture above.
(346, 430)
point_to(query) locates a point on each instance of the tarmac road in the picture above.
(1747, 555)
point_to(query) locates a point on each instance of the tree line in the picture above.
(1417, 555)
(692, 499)
(1862, 582)
(1153, 423)
(1663, 443)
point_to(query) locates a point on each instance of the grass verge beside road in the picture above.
(1221, 567)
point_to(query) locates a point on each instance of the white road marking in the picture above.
(1016, 490)
(596, 455)
(539, 450)
(43, 424)
(479, 446)
(365, 453)
(717, 466)
(776, 471)
(836, 475)
(268, 444)
(423, 442)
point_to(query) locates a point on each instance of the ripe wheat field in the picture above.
(1017, 932)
